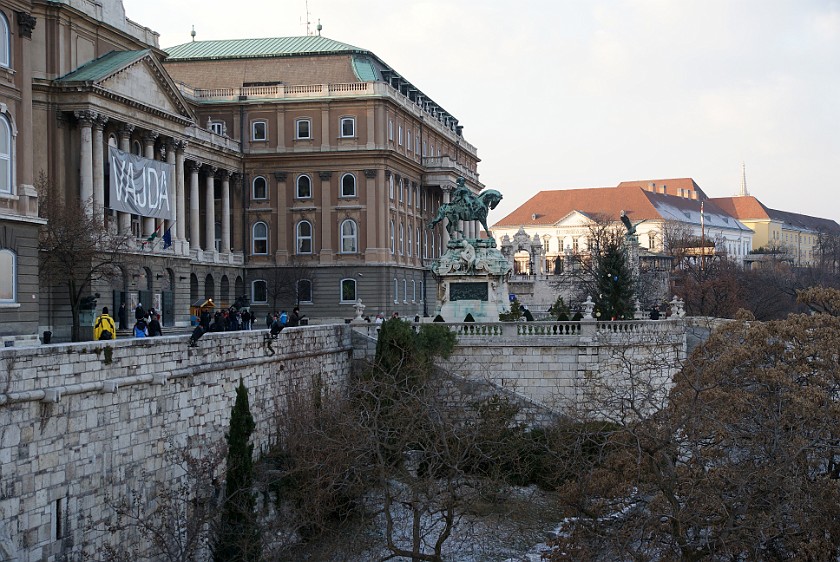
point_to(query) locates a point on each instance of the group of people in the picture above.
(275, 322)
(147, 322)
(226, 320)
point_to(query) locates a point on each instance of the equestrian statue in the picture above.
(466, 206)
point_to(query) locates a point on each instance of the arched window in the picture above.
(405, 290)
(304, 187)
(413, 291)
(259, 131)
(348, 185)
(417, 230)
(348, 127)
(259, 291)
(349, 237)
(259, 239)
(392, 238)
(402, 239)
(5, 155)
(8, 276)
(396, 291)
(5, 42)
(260, 189)
(193, 287)
(224, 289)
(408, 239)
(426, 243)
(209, 287)
(348, 290)
(303, 128)
(303, 235)
(304, 290)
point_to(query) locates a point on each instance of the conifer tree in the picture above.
(239, 537)
(614, 282)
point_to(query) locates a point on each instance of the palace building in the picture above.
(280, 172)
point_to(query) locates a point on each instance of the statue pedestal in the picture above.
(472, 279)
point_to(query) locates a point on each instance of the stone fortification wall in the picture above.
(83, 422)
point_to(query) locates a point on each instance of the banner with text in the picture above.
(139, 185)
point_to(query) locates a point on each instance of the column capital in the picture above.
(209, 170)
(86, 117)
(180, 145)
(387, 174)
(193, 166)
(224, 174)
(149, 137)
(26, 23)
(124, 131)
(370, 174)
(281, 176)
(100, 121)
(325, 175)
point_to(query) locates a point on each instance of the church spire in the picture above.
(743, 191)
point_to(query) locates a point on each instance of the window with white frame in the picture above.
(426, 244)
(408, 139)
(417, 229)
(390, 129)
(259, 291)
(349, 237)
(405, 290)
(303, 128)
(260, 188)
(402, 239)
(413, 290)
(5, 42)
(391, 186)
(417, 142)
(259, 131)
(6, 167)
(348, 185)
(348, 290)
(304, 290)
(259, 239)
(400, 135)
(425, 146)
(304, 187)
(303, 237)
(408, 194)
(396, 291)
(217, 127)
(432, 253)
(409, 238)
(400, 186)
(348, 127)
(416, 197)
(422, 295)
(8, 276)
(392, 237)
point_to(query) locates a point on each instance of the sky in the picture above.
(561, 94)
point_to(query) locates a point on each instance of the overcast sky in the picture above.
(559, 94)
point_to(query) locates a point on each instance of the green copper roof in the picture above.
(252, 48)
(103, 67)
(364, 69)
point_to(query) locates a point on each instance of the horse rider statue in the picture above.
(466, 206)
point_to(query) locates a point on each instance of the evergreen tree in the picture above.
(614, 282)
(238, 539)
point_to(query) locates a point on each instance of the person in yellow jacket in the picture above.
(104, 328)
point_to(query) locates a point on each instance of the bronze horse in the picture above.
(468, 207)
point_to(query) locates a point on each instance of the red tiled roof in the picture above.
(671, 186)
(742, 208)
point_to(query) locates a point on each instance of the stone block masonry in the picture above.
(82, 423)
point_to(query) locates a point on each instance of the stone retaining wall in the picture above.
(83, 422)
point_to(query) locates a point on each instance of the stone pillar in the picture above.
(281, 248)
(209, 209)
(124, 133)
(226, 211)
(180, 196)
(99, 169)
(149, 139)
(447, 191)
(383, 240)
(195, 230)
(26, 171)
(173, 190)
(372, 220)
(86, 119)
(326, 218)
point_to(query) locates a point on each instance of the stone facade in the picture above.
(79, 422)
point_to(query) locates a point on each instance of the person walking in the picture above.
(295, 318)
(103, 327)
(246, 320)
(154, 326)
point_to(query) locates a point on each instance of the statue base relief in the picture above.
(472, 279)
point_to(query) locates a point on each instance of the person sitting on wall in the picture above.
(141, 329)
(103, 328)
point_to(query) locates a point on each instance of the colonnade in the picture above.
(92, 125)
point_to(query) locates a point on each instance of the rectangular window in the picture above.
(400, 136)
(390, 130)
(259, 131)
(348, 127)
(303, 129)
(217, 127)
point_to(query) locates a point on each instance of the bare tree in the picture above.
(77, 249)
(283, 282)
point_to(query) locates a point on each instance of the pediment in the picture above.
(574, 219)
(140, 84)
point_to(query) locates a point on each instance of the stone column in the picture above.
(99, 169)
(124, 133)
(149, 139)
(195, 230)
(326, 218)
(384, 240)
(209, 209)
(372, 220)
(26, 171)
(86, 119)
(281, 217)
(447, 191)
(180, 196)
(172, 190)
(226, 211)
